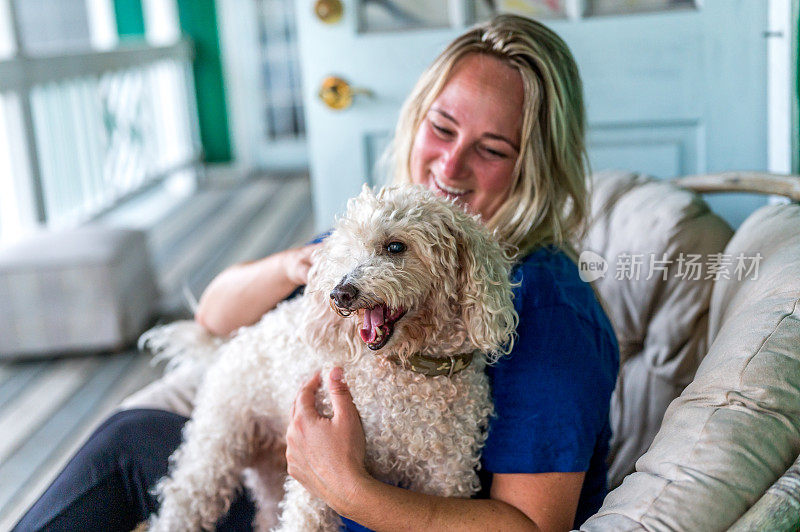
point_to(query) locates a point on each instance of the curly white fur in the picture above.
(423, 433)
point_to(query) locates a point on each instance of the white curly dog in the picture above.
(430, 288)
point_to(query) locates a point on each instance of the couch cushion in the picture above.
(736, 428)
(86, 289)
(660, 321)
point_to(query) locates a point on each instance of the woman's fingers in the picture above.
(308, 250)
(304, 263)
(305, 402)
(326, 455)
(343, 407)
(297, 262)
(303, 406)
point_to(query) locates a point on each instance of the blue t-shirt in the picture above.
(552, 392)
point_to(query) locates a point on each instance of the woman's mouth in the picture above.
(450, 192)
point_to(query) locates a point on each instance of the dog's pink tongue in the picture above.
(373, 318)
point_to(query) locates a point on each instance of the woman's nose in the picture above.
(454, 163)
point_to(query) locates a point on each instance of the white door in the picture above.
(669, 92)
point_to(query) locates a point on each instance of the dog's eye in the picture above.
(395, 247)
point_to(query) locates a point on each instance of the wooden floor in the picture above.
(49, 407)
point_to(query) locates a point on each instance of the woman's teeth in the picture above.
(448, 190)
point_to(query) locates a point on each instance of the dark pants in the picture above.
(106, 486)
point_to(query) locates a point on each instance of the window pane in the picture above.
(614, 7)
(533, 8)
(280, 70)
(388, 15)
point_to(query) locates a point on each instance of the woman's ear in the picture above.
(485, 292)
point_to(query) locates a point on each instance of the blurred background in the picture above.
(147, 144)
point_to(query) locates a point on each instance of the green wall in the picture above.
(130, 19)
(198, 22)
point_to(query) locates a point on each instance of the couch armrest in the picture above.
(778, 508)
(753, 182)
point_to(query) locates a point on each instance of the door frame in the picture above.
(783, 126)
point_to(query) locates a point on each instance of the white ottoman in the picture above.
(84, 290)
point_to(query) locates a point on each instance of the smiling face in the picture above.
(467, 144)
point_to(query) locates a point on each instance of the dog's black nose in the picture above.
(344, 294)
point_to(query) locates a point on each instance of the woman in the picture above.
(496, 122)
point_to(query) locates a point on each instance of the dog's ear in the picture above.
(485, 291)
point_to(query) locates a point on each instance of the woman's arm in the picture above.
(544, 501)
(327, 457)
(242, 293)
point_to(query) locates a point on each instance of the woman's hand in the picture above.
(242, 293)
(326, 455)
(297, 262)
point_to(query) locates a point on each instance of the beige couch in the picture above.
(735, 429)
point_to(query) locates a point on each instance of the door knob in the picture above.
(328, 11)
(337, 93)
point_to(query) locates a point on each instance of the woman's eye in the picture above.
(441, 131)
(395, 247)
(495, 153)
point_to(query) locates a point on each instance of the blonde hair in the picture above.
(548, 199)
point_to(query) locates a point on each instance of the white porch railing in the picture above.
(80, 132)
